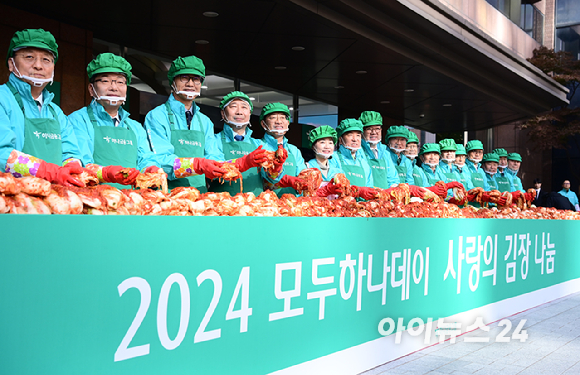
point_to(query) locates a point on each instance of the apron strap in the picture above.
(171, 115)
(95, 123)
(18, 98)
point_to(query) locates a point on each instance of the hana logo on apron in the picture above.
(190, 143)
(118, 141)
(46, 135)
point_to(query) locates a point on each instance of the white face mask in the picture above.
(503, 166)
(190, 95)
(238, 125)
(355, 149)
(37, 82)
(490, 173)
(431, 164)
(273, 131)
(326, 156)
(397, 150)
(475, 161)
(448, 161)
(374, 143)
(412, 157)
(113, 100)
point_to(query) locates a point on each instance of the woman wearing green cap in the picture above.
(502, 181)
(235, 144)
(514, 162)
(180, 135)
(474, 150)
(396, 139)
(448, 148)
(411, 152)
(109, 140)
(35, 138)
(350, 157)
(275, 119)
(382, 167)
(460, 168)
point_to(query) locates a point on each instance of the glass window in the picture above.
(568, 39)
(567, 12)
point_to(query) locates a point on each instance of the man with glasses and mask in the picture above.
(382, 167)
(275, 120)
(35, 138)
(109, 140)
(396, 139)
(180, 135)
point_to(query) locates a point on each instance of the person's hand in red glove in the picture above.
(454, 184)
(210, 168)
(417, 191)
(439, 189)
(328, 189)
(113, 174)
(502, 201)
(253, 159)
(60, 175)
(459, 202)
(364, 192)
(295, 183)
(281, 156)
(516, 195)
(529, 197)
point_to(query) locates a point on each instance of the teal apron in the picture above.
(113, 145)
(354, 173)
(503, 184)
(418, 179)
(462, 179)
(432, 180)
(290, 170)
(477, 181)
(402, 170)
(251, 178)
(41, 135)
(491, 182)
(518, 185)
(379, 171)
(187, 144)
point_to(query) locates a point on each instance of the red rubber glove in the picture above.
(210, 168)
(112, 173)
(417, 191)
(253, 159)
(328, 189)
(502, 201)
(439, 190)
(279, 162)
(364, 192)
(458, 202)
(516, 195)
(529, 197)
(60, 175)
(153, 169)
(294, 182)
(454, 184)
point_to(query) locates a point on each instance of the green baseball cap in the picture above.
(109, 63)
(186, 65)
(397, 131)
(460, 150)
(492, 156)
(448, 145)
(349, 124)
(500, 152)
(235, 95)
(430, 147)
(273, 108)
(474, 145)
(37, 38)
(369, 118)
(320, 132)
(412, 138)
(514, 156)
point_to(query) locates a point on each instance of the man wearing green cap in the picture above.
(411, 152)
(396, 139)
(382, 167)
(460, 168)
(35, 138)
(474, 150)
(490, 162)
(109, 140)
(502, 181)
(180, 135)
(350, 157)
(448, 148)
(275, 120)
(514, 162)
(235, 144)
(431, 172)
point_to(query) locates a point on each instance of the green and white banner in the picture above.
(220, 295)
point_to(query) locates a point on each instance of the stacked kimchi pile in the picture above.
(31, 195)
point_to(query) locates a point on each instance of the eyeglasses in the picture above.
(185, 78)
(374, 130)
(109, 82)
(31, 59)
